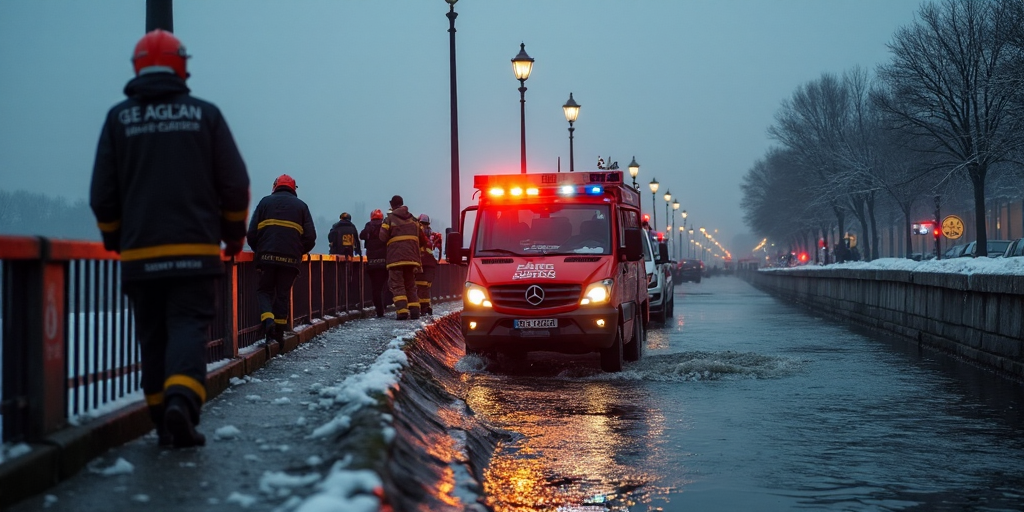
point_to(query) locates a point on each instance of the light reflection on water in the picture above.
(745, 403)
(578, 443)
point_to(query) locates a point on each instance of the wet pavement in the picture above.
(259, 453)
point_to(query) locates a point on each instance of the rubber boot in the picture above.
(163, 437)
(270, 329)
(181, 423)
(279, 338)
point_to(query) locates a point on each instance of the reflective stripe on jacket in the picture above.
(281, 230)
(402, 233)
(168, 181)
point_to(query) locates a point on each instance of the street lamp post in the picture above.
(668, 219)
(571, 110)
(634, 169)
(684, 231)
(522, 65)
(676, 250)
(159, 14)
(654, 201)
(688, 247)
(455, 114)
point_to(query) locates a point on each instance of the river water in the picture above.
(743, 402)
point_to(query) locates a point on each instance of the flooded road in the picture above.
(742, 402)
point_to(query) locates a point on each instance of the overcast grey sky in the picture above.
(351, 97)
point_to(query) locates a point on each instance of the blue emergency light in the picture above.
(595, 190)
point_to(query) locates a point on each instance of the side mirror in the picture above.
(634, 244)
(662, 252)
(453, 246)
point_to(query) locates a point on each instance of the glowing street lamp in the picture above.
(522, 65)
(571, 110)
(634, 169)
(675, 246)
(654, 207)
(668, 197)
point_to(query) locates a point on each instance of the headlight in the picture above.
(598, 293)
(476, 295)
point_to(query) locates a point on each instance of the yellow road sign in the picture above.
(952, 227)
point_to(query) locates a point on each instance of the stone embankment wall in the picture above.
(976, 316)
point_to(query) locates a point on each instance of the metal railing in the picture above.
(68, 343)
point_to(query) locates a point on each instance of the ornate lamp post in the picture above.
(522, 65)
(684, 230)
(688, 247)
(682, 238)
(455, 114)
(675, 238)
(654, 201)
(634, 169)
(668, 219)
(571, 110)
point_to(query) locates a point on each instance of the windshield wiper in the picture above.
(502, 251)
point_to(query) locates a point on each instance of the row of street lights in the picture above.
(692, 245)
(522, 66)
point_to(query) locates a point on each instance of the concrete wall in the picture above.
(978, 317)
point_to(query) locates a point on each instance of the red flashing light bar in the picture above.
(547, 179)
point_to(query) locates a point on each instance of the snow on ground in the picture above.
(267, 450)
(996, 266)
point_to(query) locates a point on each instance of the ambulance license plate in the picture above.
(535, 323)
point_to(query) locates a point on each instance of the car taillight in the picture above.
(650, 278)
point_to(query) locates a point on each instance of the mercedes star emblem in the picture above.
(534, 295)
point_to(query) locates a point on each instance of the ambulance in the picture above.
(556, 264)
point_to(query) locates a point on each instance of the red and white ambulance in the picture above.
(555, 264)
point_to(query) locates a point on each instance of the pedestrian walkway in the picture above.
(271, 436)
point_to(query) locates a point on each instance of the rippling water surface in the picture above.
(745, 403)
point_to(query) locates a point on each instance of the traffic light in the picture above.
(937, 233)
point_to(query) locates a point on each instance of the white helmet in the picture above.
(424, 218)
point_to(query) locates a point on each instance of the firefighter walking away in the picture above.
(280, 232)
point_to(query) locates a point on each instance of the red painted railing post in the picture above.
(231, 308)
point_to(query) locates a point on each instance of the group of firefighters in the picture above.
(400, 253)
(169, 186)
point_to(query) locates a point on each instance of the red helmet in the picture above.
(160, 48)
(285, 181)
(376, 214)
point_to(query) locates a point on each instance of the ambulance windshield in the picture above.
(544, 229)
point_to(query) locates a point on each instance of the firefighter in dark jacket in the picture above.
(344, 237)
(402, 234)
(376, 257)
(425, 279)
(280, 232)
(168, 186)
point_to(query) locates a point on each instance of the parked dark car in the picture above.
(996, 248)
(954, 252)
(689, 270)
(1015, 249)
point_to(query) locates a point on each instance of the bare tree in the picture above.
(777, 201)
(950, 84)
(810, 124)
